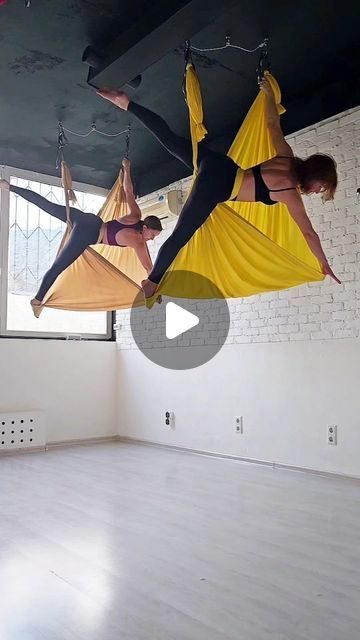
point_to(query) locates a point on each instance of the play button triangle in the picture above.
(178, 320)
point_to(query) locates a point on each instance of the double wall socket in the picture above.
(331, 434)
(169, 419)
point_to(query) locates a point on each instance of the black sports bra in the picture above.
(262, 192)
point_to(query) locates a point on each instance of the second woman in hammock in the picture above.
(282, 179)
(88, 229)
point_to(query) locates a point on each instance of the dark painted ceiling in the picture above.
(313, 53)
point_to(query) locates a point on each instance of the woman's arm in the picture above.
(297, 211)
(273, 121)
(143, 254)
(135, 212)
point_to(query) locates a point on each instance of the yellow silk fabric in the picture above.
(103, 278)
(243, 248)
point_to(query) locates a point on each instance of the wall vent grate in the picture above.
(21, 430)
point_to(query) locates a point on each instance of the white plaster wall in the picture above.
(72, 382)
(287, 394)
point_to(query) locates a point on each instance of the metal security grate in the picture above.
(34, 236)
(20, 430)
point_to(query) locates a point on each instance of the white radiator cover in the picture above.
(21, 430)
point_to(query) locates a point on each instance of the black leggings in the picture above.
(213, 184)
(85, 231)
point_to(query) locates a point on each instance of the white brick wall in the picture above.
(318, 311)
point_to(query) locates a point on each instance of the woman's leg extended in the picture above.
(196, 210)
(177, 146)
(212, 185)
(55, 210)
(82, 235)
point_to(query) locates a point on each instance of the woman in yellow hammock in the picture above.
(127, 231)
(282, 179)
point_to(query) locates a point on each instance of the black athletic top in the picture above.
(262, 192)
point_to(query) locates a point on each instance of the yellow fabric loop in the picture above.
(253, 143)
(253, 263)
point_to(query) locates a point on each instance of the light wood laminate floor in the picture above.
(126, 542)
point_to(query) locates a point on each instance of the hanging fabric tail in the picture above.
(120, 207)
(194, 100)
(70, 196)
(66, 182)
(242, 248)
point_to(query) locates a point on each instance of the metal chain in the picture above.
(228, 44)
(127, 141)
(94, 130)
(62, 142)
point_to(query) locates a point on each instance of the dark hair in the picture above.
(321, 167)
(153, 222)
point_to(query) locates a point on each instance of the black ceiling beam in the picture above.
(161, 28)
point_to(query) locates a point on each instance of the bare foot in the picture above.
(148, 288)
(36, 306)
(118, 98)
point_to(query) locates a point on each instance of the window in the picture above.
(29, 242)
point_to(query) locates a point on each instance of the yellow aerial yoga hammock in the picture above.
(242, 248)
(104, 277)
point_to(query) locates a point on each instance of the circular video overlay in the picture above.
(180, 333)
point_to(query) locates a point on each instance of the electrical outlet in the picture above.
(170, 419)
(331, 434)
(239, 424)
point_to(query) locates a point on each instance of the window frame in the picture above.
(7, 172)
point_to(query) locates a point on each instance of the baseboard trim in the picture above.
(23, 450)
(197, 452)
(226, 456)
(83, 441)
(58, 444)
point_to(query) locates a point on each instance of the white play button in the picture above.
(182, 333)
(178, 320)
